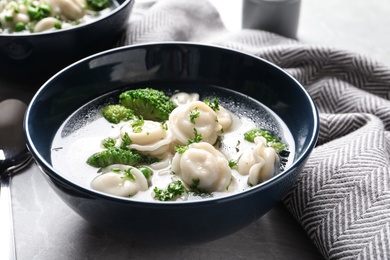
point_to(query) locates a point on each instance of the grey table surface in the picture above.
(45, 228)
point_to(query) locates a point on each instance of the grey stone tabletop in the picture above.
(46, 228)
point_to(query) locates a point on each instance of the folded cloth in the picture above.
(342, 197)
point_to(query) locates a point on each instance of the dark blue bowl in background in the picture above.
(167, 64)
(31, 59)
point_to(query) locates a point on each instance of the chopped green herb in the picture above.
(272, 141)
(232, 164)
(214, 104)
(218, 142)
(194, 187)
(181, 148)
(128, 175)
(194, 113)
(174, 190)
(197, 137)
(108, 143)
(137, 125)
(164, 126)
(195, 183)
(116, 170)
(126, 141)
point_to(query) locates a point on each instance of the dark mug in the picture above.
(277, 16)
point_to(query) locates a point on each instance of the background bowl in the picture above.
(33, 58)
(170, 64)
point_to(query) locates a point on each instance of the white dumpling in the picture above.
(202, 162)
(150, 137)
(69, 9)
(183, 98)
(258, 163)
(194, 115)
(113, 180)
(224, 118)
(46, 24)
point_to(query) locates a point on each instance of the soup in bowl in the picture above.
(171, 142)
(38, 38)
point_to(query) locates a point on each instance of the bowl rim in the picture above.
(53, 173)
(67, 30)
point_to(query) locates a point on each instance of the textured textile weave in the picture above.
(342, 198)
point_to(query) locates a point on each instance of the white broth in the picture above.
(72, 148)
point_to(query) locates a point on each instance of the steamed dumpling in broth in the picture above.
(147, 136)
(120, 180)
(259, 162)
(195, 115)
(204, 166)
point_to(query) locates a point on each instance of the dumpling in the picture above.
(120, 180)
(259, 162)
(182, 98)
(194, 115)
(69, 9)
(224, 118)
(203, 164)
(46, 24)
(148, 137)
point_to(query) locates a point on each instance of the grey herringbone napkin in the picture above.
(342, 198)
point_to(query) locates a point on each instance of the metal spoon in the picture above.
(13, 157)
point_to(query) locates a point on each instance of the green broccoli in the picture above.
(272, 141)
(149, 103)
(119, 156)
(98, 5)
(174, 190)
(116, 113)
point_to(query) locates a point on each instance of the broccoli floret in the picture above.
(116, 113)
(98, 5)
(149, 103)
(272, 141)
(119, 156)
(174, 190)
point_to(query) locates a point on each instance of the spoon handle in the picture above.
(7, 240)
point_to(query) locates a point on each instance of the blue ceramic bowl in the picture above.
(167, 65)
(31, 59)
